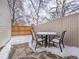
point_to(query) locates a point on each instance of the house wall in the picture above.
(68, 23)
(4, 22)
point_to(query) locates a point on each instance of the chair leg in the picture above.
(49, 43)
(53, 43)
(60, 47)
(63, 44)
(32, 41)
(36, 46)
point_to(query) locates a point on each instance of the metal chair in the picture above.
(59, 40)
(36, 38)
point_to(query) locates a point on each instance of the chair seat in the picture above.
(56, 40)
(40, 39)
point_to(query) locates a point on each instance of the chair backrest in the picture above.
(33, 33)
(63, 34)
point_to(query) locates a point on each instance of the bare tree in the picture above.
(37, 10)
(65, 8)
(41, 10)
(11, 4)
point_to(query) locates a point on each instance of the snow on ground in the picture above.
(14, 40)
(67, 51)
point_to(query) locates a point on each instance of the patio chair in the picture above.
(36, 38)
(59, 40)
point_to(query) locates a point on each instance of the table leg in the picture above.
(46, 41)
(42, 38)
(49, 40)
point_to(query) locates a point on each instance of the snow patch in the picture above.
(67, 51)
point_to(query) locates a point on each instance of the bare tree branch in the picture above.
(33, 5)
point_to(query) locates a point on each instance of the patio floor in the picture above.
(68, 52)
(23, 51)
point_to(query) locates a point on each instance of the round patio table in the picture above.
(47, 34)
